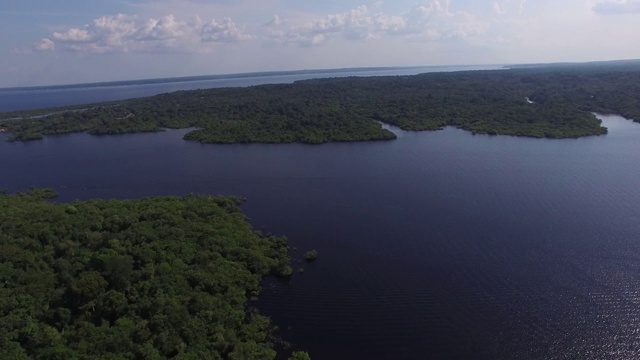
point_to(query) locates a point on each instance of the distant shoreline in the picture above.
(180, 79)
(540, 102)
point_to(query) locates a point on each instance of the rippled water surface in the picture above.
(440, 245)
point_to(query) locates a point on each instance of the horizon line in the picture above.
(268, 73)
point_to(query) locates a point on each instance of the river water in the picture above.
(442, 245)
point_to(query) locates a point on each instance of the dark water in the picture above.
(439, 245)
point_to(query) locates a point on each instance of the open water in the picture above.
(438, 245)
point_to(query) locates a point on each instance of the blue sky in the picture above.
(47, 42)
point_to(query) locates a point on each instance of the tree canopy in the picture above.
(164, 277)
(545, 101)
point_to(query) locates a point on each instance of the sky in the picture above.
(45, 42)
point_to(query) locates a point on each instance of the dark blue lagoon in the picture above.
(440, 245)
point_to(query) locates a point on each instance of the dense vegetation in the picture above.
(311, 255)
(156, 278)
(351, 109)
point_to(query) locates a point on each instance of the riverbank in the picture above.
(531, 102)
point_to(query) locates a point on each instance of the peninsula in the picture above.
(552, 101)
(164, 277)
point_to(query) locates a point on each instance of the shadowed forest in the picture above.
(553, 101)
(166, 277)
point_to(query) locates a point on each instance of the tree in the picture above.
(299, 355)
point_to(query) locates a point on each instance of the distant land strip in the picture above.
(542, 101)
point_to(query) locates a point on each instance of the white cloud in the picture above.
(44, 45)
(436, 22)
(275, 21)
(617, 7)
(72, 35)
(224, 30)
(352, 24)
(497, 8)
(163, 28)
(124, 33)
(391, 24)
(508, 7)
(431, 22)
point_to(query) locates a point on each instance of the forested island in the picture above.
(164, 277)
(553, 101)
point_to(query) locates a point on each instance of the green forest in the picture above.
(157, 278)
(535, 101)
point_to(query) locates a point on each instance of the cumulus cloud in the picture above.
(617, 7)
(73, 35)
(224, 30)
(504, 7)
(435, 21)
(430, 21)
(352, 24)
(44, 45)
(161, 29)
(123, 33)
(275, 21)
